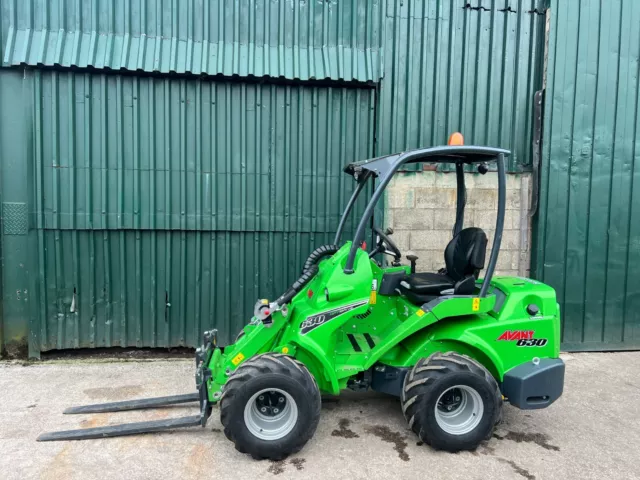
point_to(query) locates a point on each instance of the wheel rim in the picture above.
(459, 410)
(271, 414)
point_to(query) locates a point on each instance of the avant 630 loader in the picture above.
(452, 346)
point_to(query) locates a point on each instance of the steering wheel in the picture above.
(385, 245)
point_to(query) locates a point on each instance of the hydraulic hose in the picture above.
(298, 285)
(318, 254)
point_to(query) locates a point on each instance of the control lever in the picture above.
(388, 231)
(413, 259)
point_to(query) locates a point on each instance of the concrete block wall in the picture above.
(421, 208)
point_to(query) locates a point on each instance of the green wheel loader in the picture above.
(451, 344)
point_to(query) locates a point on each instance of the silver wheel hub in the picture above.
(271, 414)
(459, 410)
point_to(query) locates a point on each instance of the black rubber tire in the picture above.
(432, 376)
(270, 370)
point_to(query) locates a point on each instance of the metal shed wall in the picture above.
(588, 229)
(161, 207)
(459, 65)
(145, 206)
(157, 151)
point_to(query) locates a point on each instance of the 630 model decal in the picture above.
(531, 342)
(524, 338)
(315, 321)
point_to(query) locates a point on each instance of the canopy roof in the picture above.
(381, 166)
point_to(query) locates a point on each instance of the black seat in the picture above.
(463, 257)
(429, 283)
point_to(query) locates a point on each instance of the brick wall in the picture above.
(421, 208)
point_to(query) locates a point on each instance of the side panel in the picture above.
(506, 336)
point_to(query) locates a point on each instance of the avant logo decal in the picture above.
(318, 319)
(516, 335)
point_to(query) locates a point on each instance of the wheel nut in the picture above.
(457, 399)
(261, 397)
(281, 399)
(263, 409)
(449, 407)
(275, 410)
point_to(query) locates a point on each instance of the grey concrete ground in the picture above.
(593, 431)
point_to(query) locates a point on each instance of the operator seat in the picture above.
(463, 257)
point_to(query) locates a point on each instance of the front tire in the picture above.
(239, 336)
(451, 402)
(270, 407)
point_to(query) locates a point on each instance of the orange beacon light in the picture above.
(456, 138)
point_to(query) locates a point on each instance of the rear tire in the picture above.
(451, 402)
(270, 407)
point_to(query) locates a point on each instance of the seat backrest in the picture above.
(465, 253)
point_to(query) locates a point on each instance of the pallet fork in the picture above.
(202, 375)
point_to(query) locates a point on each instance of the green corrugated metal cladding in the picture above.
(588, 228)
(304, 40)
(163, 206)
(166, 163)
(470, 66)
